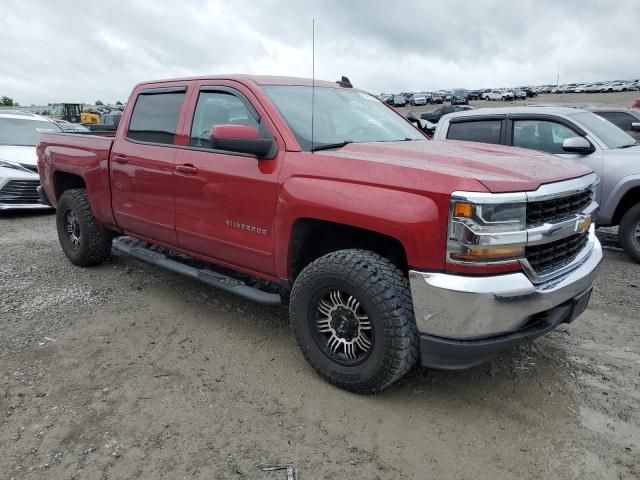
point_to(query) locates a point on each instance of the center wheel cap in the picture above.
(344, 326)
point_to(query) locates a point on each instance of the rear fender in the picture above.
(91, 166)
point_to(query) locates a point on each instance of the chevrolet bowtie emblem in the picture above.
(583, 224)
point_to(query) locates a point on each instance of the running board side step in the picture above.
(215, 279)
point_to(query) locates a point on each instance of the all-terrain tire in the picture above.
(628, 232)
(84, 241)
(384, 293)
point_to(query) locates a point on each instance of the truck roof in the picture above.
(544, 109)
(255, 79)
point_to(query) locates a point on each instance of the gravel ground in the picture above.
(128, 371)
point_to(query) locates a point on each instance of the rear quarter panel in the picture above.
(81, 155)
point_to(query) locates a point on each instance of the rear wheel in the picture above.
(352, 315)
(83, 240)
(629, 231)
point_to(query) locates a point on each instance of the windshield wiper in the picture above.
(329, 146)
(629, 145)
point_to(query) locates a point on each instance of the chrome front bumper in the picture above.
(468, 308)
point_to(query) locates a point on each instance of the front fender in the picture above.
(609, 206)
(412, 219)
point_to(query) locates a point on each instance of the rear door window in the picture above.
(155, 117)
(485, 131)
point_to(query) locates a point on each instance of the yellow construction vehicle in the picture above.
(72, 112)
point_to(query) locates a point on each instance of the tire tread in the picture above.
(391, 295)
(97, 240)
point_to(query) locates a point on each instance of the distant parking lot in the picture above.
(615, 99)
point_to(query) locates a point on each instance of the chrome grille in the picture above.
(557, 208)
(17, 192)
(551, 256)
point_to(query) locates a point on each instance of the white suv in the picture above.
(19, 180)
(498, 95)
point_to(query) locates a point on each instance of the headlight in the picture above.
(487, 229)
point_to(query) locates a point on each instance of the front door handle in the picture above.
(187, 169)
(120, 159)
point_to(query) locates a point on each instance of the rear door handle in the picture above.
(188, 169)
(120, 159)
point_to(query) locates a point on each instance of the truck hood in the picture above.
(18, 154)
(498, 168)
(630, 157)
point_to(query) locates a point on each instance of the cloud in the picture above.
(84, 51)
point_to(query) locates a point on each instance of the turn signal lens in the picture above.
(462, 209)
(488, 254)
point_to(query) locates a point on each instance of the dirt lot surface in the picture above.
(127, 371)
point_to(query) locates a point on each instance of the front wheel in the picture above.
(84, 241)
(352, 316)
(629, 231)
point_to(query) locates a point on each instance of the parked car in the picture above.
(418, 99)
(438, 97)
(571, 133)
(519, 95)
(636, 104)
(530, 92)
(436, 115)
(459, 97)
(399, 100)
(474, 94)
(71, 127)
(627, 119)
(386, 98)
(356, 227)
(19, 134)
(428, 96)
(613, 87)
(498, 95)
(567, 88)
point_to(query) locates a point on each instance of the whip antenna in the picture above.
(313, 75)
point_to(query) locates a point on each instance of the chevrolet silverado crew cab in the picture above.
(388, 248)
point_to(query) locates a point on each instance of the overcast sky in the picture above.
(81, 51)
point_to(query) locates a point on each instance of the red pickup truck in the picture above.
(388, 248)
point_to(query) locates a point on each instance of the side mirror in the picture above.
(242, 139)
(635, 126)
(577, 145)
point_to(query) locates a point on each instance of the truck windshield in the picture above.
(607, 132)
(24, 132)
(340, 116)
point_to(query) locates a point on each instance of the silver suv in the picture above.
(572, 133)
